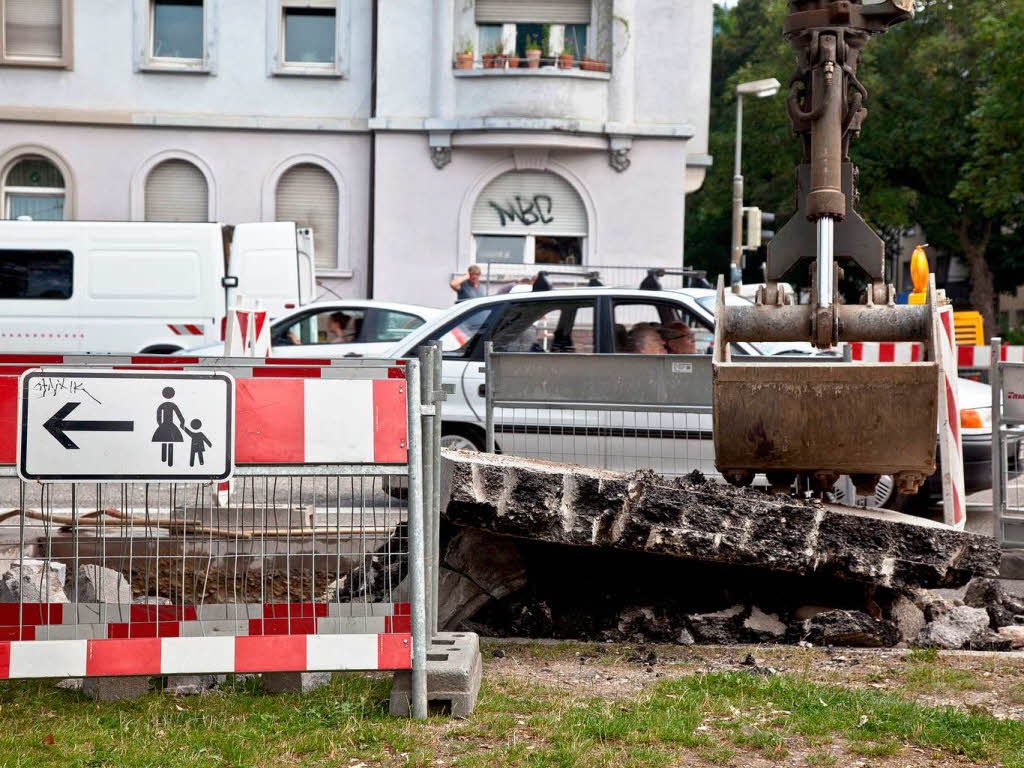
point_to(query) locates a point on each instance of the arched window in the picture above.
(308, 195)
(33, 187)
(527, 217)
(176, 190)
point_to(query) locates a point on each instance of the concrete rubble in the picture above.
(23, 581)
(96, 584)
(535, 548)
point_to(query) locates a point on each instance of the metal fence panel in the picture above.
(305, 565)
(1007, 381)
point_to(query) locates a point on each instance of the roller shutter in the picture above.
(176, 191)
(529, 203)
(32, 28)
(533, 11)
(308, 195)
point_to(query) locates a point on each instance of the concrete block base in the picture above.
(115, 688)
(454, 669)
(188, 685)
(294, 682)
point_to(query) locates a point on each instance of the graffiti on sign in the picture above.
(532, 210)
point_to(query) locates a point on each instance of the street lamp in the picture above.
(761, 89)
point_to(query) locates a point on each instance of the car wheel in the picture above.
(462, 437)
(885, 497)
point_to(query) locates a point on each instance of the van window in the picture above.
(28, 274)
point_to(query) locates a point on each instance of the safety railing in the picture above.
(616, 411)
(321, 557)
(620, 412)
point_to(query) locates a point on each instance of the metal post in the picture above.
(735, 276)
(416, 553)
(824, 265)
(488, 398)
(435, 545)
(996, 382)
(425, 353)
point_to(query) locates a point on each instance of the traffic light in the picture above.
(756, 234)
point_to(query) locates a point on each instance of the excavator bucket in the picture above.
(826, 419)
(822, 420)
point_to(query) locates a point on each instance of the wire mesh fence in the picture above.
(316, 556)
(582, 409)
(672, 442)
(307, 552)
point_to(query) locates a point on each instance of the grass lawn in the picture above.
(699, 708)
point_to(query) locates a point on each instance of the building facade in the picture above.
(357, 118)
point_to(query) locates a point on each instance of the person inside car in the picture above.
(340, 329)
(644, 339)
(679, 339)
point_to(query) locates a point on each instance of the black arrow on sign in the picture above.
(57, 426)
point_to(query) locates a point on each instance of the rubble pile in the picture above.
(533, 548)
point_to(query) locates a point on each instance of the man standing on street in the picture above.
(467, 286)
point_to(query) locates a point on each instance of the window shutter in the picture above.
(176, 191)
(32, 28)
(529, 203)
(533, 11)
(307, 195)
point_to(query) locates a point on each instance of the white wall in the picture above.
(637, 214)
(103, 77)
(103, 161)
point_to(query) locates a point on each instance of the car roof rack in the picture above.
(697, 278)
(542, 283)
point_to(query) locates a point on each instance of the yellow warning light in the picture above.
(918, 275)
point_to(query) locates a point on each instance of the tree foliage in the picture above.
(942, 146)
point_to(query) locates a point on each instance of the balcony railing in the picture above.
(522, 65)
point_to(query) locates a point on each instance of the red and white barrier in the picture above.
(886, 351)
(973, 357)
(97, 621)
(204, 655)
(320, 421)
(247, 332)
(954, 498)
(980, 357)
(284, 418)
(187, 329)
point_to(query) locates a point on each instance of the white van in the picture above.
(131, 287)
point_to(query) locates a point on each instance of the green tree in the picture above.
(942, 146)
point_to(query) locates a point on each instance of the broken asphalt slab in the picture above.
(709, 522)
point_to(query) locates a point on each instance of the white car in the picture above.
(600, 320)
(339, 328)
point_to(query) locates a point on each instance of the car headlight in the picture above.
(976, 418)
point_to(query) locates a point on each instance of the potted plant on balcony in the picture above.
(513, 59)
(565, 58)
(464, 58)
(500, 57)
(533, 52)
(593, 65)
(488, 58)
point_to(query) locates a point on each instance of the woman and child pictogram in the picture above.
(167, 433)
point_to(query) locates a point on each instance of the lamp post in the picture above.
(761, 89)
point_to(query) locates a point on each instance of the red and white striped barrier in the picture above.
(174, 362)
(283, 418)
(186, 329)
(972, 357)
(96, 621)
(886, 351)
(980, 357)
(204, 655)
(954, 498)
